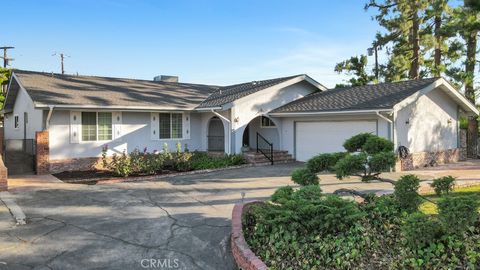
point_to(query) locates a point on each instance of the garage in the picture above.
(313, 138)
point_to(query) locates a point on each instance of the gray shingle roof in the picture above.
(231, 93)
(70, 90)
(378, 96)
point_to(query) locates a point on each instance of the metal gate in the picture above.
(20, 156)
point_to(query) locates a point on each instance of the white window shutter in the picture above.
(186, 126)
(154, 126)
(75, 126)
(117, 125)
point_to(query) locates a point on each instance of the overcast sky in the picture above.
(213, 42)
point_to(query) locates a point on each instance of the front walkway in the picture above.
(184, 219)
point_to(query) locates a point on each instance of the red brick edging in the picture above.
(244, 256)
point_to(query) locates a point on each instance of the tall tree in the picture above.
(468, 18)
(4, 79)
(356, 66)
(402, 19)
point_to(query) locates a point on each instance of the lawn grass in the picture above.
(431, 209)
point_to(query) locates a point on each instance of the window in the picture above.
(96, 125)
(170, 125)
(15, 121)
(104, 126)
(89, 126)
(266, 122)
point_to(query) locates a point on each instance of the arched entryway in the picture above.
(267, 132)
(216, 135)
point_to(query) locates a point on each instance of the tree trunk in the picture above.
(415, 43)
(376, 63)
(472, 134)
(438, 50)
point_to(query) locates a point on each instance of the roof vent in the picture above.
(166, 78)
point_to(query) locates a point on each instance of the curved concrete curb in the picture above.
(13, 207)
(244, 256)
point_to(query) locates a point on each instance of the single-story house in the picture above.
(295, 114)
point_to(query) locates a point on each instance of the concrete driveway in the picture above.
(181, 222)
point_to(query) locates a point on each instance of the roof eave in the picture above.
(113, 107)
(208, 108)
(443, 84)
(343, 112)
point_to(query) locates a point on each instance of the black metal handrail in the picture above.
(269, 156)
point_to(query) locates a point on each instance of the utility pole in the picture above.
(5, 57)
(62, 57)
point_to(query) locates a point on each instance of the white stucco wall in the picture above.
(428, 128)
(288, 127)
(270, 133)
(23, 104)
(135, 132)
(262, 102)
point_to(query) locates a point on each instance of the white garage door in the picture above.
(313, 138)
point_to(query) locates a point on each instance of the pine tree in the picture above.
(403, 20)
(357, 66)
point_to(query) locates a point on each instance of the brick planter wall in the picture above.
(426, 159)
(76, 164)
(3, 176)
(42, 160)
(2, 138)
(244, 256)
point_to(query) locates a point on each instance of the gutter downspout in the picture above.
(47, 122)
(392, 129)
(228, 150)
(391, 124)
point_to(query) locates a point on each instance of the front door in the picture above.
(216, 137)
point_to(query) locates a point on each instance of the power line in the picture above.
(6, 60)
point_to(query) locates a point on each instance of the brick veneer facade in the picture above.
(427, 159)
(2, 137)
(463, 144)
(42, 158)
(244, 256)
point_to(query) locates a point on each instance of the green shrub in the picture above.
(305, 229)
(304, 177)
(375, 144)
(282, 195)
(443, 185)
(376, 157)
(142, 162)
(458, 213)
(120, 165)
(382, 161)
(463, 123)
(357, 142)
(202, 161)
(351, 165)
(421, 230)
(324, 162)
(406, 193)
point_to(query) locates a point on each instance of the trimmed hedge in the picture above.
(324, 162)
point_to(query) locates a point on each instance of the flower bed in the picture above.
(145, 165)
